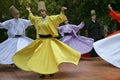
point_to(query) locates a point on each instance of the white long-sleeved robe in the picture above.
(10, 46)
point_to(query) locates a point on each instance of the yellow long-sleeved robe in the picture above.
(45, 54)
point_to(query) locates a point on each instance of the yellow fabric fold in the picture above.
(44, 55)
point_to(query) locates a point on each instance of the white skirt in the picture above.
(109, 49)
(9, 47)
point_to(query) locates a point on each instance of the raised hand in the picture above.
(28, 8)
(63, 9)
(82, 22)
(109, 7)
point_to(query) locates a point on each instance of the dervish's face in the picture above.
(16, 15)
(93, 17)
(43, 13)
(66, 22)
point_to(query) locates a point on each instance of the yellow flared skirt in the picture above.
(44, 56)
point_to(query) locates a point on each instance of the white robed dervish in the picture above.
(109, 48)
(16, 38)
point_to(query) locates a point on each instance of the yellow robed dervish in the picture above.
(45, 53)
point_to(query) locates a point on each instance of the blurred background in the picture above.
(78, 10)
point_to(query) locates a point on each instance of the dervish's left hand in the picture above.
(63, 9)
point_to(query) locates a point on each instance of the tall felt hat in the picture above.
(41, 5)
(13, 10)
(93, 13)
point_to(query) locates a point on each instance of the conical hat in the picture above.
(41, 5)
(93, 13)
(13, 10)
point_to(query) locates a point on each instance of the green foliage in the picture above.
(78, 10)
(3, 32)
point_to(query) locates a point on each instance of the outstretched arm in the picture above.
(109, 7)
(80, 26)
(31, 17)
(63, 9)
(27, 23)
(59, 18)
(113, 14)
(4, 25)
